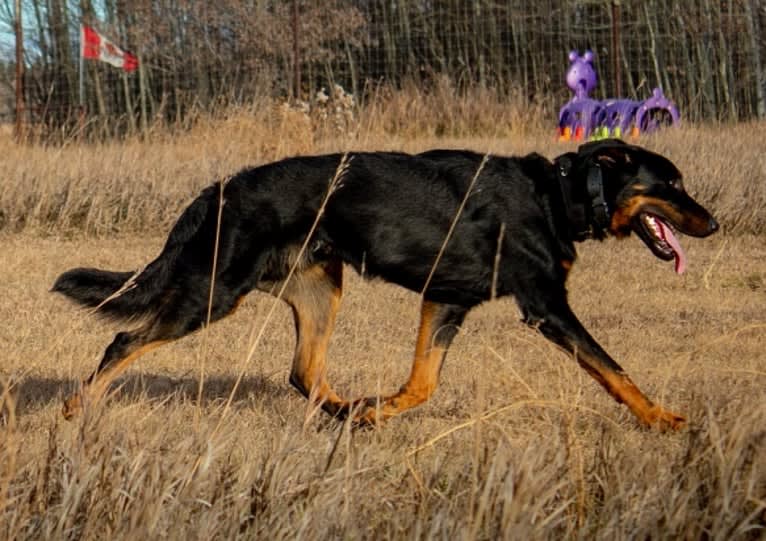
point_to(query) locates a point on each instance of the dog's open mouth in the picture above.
(661, 239)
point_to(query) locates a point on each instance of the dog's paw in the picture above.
(72, 406)
(661, 419)
(367, 413)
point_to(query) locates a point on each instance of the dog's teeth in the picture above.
(652, 223)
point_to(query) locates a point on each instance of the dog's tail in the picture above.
(130, 295)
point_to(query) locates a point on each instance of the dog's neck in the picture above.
(588, 214)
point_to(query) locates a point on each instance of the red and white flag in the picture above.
(94, 45)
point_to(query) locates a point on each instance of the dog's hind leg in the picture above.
(175, 320)
(314, 295)
(439, 323)
(124, 349)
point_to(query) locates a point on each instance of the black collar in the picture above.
(586, 209)
(598, 204)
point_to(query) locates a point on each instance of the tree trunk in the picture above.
(754, 29)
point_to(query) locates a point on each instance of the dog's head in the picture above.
(644, 193)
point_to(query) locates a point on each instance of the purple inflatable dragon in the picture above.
(584, 118)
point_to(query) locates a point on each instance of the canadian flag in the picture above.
(94, 45)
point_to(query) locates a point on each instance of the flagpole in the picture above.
(19, 31)
(82, 68)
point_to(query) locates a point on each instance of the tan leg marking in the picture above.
(93, 391)
(622, 388)
(424, 374)
(314, 296)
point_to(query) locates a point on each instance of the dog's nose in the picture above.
(713, 225)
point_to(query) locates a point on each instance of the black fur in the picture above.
(388, 216)
(91, 287)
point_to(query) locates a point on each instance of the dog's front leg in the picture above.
(562, 327)
(439, 323)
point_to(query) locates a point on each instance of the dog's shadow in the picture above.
(34, 393)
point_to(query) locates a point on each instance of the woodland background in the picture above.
(202, 57)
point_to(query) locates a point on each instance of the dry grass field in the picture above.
(517, 443)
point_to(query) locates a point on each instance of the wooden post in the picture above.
(754, 29)
(616, 48)
(142, 90)
(19, 72)
(296, 55)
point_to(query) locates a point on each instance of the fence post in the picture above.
(296, 55)
(616, 48)
(19, 72)
(754, 29)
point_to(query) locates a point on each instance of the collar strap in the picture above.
(597, 199)
(588, 215)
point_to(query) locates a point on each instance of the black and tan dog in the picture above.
(457, 226)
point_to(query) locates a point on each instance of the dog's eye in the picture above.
(676, 183)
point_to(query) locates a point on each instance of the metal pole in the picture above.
(296, 54)
(19, 72)
(82, 68)
(81, 109)
(616, 48)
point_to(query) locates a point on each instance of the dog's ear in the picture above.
(608, 153)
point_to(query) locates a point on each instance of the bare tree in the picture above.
(200, 56)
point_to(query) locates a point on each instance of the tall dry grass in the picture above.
(517, 443)
(141, 185)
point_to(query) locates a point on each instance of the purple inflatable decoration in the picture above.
(619, 116)
(582, 114)
(581, 76)
(584, 118)
(655, 112)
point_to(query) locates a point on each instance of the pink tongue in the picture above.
(671, 239)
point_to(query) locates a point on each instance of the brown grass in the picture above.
(518, 442)
(136, 186)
